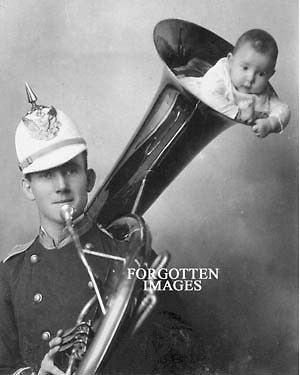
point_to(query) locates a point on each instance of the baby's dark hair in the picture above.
(261, 41)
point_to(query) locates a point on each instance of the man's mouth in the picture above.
(63, 201)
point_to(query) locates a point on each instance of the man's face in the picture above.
(250, 70)
(66, 184)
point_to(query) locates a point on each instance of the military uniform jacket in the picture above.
(43, 290)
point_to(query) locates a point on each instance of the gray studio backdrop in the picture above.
(234, 207)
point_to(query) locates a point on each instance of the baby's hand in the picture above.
(265, 126)
(262, 127)
(246, 112)
(261, 115)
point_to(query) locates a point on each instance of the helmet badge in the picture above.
(41, 121)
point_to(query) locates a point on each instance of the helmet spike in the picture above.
(32, 98)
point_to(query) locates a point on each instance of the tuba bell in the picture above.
(175, 129)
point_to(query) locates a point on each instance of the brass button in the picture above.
(89, 246)
(46, 336)
(90, 285)
(34, 259)
(37, 298)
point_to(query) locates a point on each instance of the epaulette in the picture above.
(18, 249)
(104, 230)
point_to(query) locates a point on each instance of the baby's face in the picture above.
(250, 70)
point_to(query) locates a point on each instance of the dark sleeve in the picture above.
(10, 359)
(162, 346)
(169, 335)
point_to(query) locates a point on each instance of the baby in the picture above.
(238, 85)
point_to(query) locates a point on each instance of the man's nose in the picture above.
(61, 183)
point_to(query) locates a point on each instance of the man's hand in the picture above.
(47, 365)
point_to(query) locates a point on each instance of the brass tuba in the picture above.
(176, 127)
(88, 344)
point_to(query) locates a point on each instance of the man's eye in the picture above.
(245, 67)
(262, 74)
(46, 175)
(71, 170)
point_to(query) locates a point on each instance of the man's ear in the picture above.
(91, 179)
(26, 185)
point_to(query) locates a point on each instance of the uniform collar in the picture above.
(82, 224)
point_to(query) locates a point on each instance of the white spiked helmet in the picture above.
(46, 138)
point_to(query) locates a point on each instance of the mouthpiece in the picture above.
(66, 213)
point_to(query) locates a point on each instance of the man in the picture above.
(43, 284)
